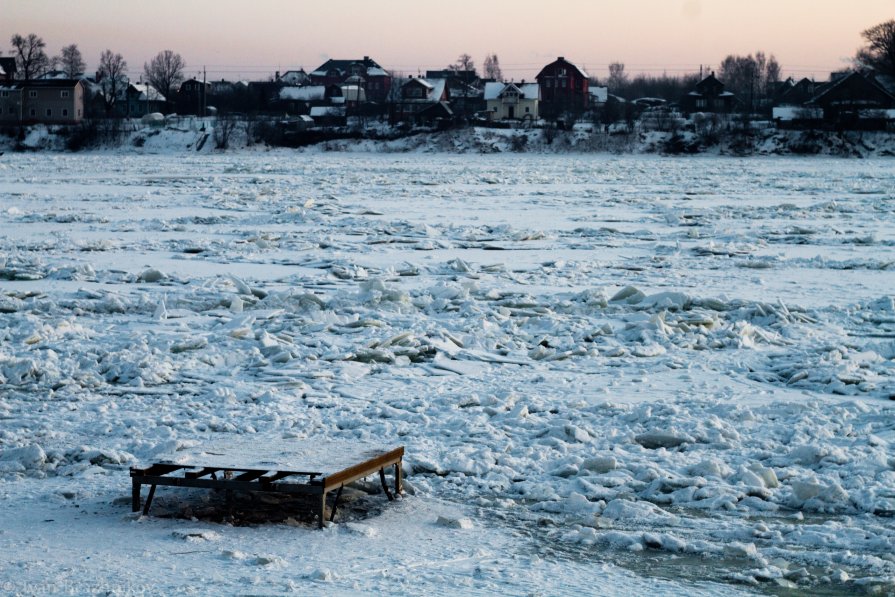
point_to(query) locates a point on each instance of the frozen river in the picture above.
(642, 370)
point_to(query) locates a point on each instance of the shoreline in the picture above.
(470, 141)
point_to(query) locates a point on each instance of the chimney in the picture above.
(561, 58)
(276, 76)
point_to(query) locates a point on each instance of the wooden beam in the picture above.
(156, 469)
(363, 469)
(200, 473)
(250, 476)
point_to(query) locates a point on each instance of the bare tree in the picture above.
(617, 76)
(224, 127)
(71, 61)
(112, 77)
(492, 68)
(165, 72)
(31, 58)
(464, 63)
(750, 77)
(879, 54)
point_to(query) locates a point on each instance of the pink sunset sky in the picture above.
(252, 39)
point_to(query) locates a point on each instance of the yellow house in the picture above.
(50, 101)
(512, 101)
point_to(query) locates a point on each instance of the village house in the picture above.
(464, 88)
(329, 116)
(564, 88)
(140, 99)
(300, 100)
(853, 96)
(365, 73)
(512, 101)
(850, 99)
(709, 96)
(792, 93)
(192, 97)
(423, 100)
(59, 101)
(294, 77)
(7, 69)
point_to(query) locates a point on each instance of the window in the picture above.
(32, 93)
(564, 83)
(32, 112)
(79, 112)
(527, 109)
(700, 103)
(4, 94)
(65, 111)
(49, 112)
(64, 94)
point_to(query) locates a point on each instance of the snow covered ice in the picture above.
(614, 373)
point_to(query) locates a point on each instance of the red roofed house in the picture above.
(564, 88)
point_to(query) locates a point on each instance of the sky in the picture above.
(251, 40)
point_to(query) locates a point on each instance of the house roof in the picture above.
(197, 81)
(420, 81)
(839, 81)
(294, 77)
(369, 65)
(147, 92)
(311, 93)
(434, 88)
(710, 80)
(494, 90)
(52, 83)
(562, 60)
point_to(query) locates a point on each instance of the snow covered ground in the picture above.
(629, 373)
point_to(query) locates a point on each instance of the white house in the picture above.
(512, 101)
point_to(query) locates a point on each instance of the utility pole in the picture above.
(204, 93)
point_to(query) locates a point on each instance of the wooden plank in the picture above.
(297, 488)
(135, 496)
(363, 469)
